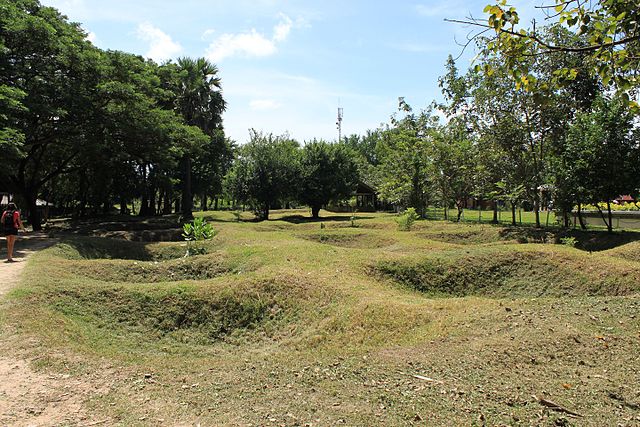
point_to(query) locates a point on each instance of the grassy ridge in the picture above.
(306, 324)
(514, 271)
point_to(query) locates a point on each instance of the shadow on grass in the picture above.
(137, 229)
(104, 248)
(300, 219)
(587, 240)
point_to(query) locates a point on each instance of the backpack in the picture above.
(8, 220)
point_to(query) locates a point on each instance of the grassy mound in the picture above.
(92, 248)
(349, 239)
(162, 235)
(630, 252)
(513, 272)
(145, 320)
(192, 268)
(309, 336)
(183, 314)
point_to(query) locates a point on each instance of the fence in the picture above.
(523, 217)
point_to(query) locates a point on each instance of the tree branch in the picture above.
(548, 46)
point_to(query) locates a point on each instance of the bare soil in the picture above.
(28, 396)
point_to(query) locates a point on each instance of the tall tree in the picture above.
(200, 102)
(404, 153)
(265, 172)
(328, 172)
(51, 68)
(604, 155)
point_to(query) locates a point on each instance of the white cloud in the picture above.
(91, 36)
(206, 35)
(251, 43)
(264, 104)
(248, 44)
(161, 46)
(281, 31)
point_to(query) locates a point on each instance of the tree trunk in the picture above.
(159, 205)
(495, 212)
(177, 205)
(187, 198)
(460, 210)
(203, 202)
(513, 214)
(144, 205)
(315, 211)
(610, 223)
(536, 208)
(123, 205)
(166, 210)
(152, 201)
(580, 218)
(34, 215)
(215, 204)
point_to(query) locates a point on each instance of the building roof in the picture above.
(364, 188)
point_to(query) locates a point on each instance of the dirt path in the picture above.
(29, 397)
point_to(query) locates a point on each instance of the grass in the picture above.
(298, 322)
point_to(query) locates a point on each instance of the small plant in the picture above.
(569, 241)
(353, 221)
(322, 226)
(406, 219)
(195, 233)
(237, 214)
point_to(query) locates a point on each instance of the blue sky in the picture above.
(286, 65)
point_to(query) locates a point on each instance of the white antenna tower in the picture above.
(339, 123)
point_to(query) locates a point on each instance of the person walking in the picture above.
(11, 223)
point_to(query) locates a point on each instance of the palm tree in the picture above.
(201, 104)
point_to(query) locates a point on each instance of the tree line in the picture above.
(93, 128)
(538, 121)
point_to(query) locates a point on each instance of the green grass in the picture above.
(299, 322)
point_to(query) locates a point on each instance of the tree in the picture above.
(265, 172)
(405, 162)
(200, 102)
(211, 165)
(328, 172)
(365, 154)
(610, 40)
(603, 155)
(51, 70)
(454, 151)
(454, 163)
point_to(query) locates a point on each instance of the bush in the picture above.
(406, 219)
(569, 241)
(195, 233)
(614, 207)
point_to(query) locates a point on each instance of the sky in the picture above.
(287, 65)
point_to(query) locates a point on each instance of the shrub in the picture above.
(569, 241)
(195, 233)
(614, 207)
(406, 219)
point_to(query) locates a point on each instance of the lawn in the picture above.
(293, 322)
